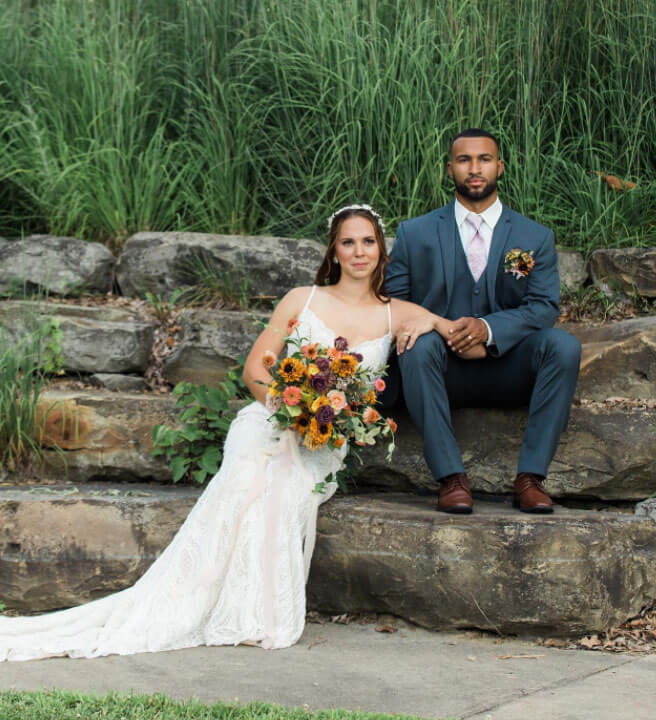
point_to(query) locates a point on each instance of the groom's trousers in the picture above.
(541, 372)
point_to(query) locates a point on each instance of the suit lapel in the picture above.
(446, 232)
(499, 239)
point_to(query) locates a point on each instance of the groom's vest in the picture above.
(469, 298)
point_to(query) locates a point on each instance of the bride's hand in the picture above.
(409, 331)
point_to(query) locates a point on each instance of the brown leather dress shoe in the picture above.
(455, 495)
(530, 496)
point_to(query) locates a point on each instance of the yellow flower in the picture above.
(291, 370)
(274, 390)
(370, 397)
(320, 433)
(321, 400)
(344, 366)
(301, 424)
(312, 370)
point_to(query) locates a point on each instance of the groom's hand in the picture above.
(465, 333)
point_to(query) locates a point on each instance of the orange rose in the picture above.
(392, 425)
(370, 416)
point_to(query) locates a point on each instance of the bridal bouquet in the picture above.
(326, 396)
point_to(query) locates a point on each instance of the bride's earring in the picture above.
(336, 261)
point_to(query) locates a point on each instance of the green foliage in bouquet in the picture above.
(194, 451)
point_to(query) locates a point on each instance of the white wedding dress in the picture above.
(236, 570)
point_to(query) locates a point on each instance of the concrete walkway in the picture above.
(411, 671)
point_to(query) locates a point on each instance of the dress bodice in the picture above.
(311, 328)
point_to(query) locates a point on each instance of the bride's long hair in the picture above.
(329, 271)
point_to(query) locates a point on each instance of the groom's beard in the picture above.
(478, 194)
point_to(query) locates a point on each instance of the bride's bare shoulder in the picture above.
(294, 300)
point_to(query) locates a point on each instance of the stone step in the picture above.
(618, 358)
(498, 569)
(607, 453)
(95, 339)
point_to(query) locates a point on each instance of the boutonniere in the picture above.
(519, 263)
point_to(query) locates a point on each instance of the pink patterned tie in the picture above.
(476, 250)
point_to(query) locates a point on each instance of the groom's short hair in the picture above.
(473, 132)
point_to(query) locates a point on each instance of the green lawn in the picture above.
(58, 705)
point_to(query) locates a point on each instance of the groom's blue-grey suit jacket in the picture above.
(422, 270)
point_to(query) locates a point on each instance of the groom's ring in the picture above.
(469, 337)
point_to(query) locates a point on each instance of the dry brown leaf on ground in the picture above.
(387, 628)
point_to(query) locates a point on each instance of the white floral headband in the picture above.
(366, 208)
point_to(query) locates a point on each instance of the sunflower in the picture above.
(291, 370)
(320, 432)
(301, 424)
(344, 366)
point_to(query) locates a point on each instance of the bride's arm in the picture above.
(271, 338)
(409, 321)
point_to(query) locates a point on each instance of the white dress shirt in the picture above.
(490, 218)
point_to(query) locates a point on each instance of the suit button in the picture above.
(477, 292)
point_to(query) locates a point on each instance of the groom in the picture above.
(494, 272)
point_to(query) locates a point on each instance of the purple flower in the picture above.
(358, 357)
(325, 414)
(319, 382)
(322, 363)
(341, 343)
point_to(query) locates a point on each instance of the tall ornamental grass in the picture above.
(22, 377)
(261, 116)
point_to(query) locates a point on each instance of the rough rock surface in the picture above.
(94, 338)
(103, 435)
(212, 342)
(160, 262)
(118, 383)
(60, 265)
(605, 453)
(571, 268)
(498, 569)
(60, 546)
(618, 359)
(630, 269)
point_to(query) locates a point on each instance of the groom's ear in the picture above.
(500, 168)
(449, 169)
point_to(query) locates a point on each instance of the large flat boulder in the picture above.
(629, 269)
(103, 435)
(606, 453)
(94, 338)
(617, 359)
(160, 262)
(212, 341)
(58, 265)
(61, 546)
(497, 569)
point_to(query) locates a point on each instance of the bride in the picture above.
(236, 570)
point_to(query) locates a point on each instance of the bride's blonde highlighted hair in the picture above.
(330, 271)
